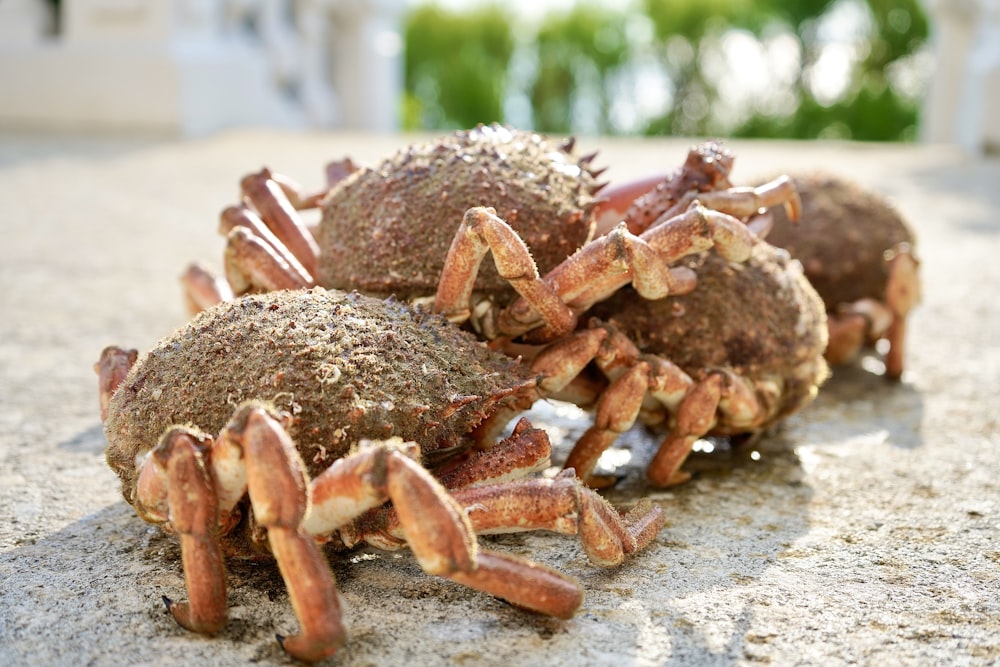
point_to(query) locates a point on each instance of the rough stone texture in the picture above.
(864, 532)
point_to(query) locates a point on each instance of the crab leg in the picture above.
(902, 294)
(612, 261)
(742, 202)
(642, 202)
(558, 365)
(279, 494)
(481, 232)
(193, 483)
(432, 524)
(241, 216)
(523, 583)
(203, 289)
(588, 276)
(252, 263)
(560, 505)
(111, 368)
(694, 405)
(175, 484)
(275, 209)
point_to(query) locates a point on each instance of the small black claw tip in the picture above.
(281, 641)
(167, 602)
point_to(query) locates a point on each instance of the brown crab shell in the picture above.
(841, 237)
(345, 366)
(761, 319)
(387, 229)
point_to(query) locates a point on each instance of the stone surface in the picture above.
(866, 531)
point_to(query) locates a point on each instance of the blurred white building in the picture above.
(963, 103)
(188, 67)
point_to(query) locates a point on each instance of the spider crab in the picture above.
(730, 358)
(275, 422)
(857, 252)
(385, 230)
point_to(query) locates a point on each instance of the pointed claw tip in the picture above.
(167, 602)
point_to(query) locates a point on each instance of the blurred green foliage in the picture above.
(571, 69)
(456, 66)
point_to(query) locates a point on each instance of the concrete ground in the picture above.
(866, 531)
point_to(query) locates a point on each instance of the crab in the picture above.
(385, 230)
(732, 358)
(276, 422)
(858, 252)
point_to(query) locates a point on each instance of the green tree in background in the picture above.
(577, 52)
(456, 66)
(459, 65)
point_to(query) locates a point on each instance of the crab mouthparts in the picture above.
(492, 414)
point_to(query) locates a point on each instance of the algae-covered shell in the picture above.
(760, 319)
(841, 237)
(345, 366)
(387, 229)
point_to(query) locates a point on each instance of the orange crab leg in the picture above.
(278, 489)
(481, 232)
(241, 216)
(432, 524)
(527, 450)
(523, 583)
(561, 505)
(902, 294)
(706, 168)
(203, 289)
(175, 484)
(252, 263)
(270, 201)
(744, 202)
(112, 367)
(609, 262)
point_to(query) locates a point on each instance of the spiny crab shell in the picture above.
(345, 366)
(387, 229)
(760, 319)
(844, 232)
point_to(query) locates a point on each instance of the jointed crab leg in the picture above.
(609, 262)
(252, 263)
(178, 463)
(274, 476)
(643, 202)
(242, 216)
(274, 207)
(562, 505)
(694, 404)
(741, 202)
(203, 289)
(254, 454)
(853, 325)
(481, 232)
(111, 368)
